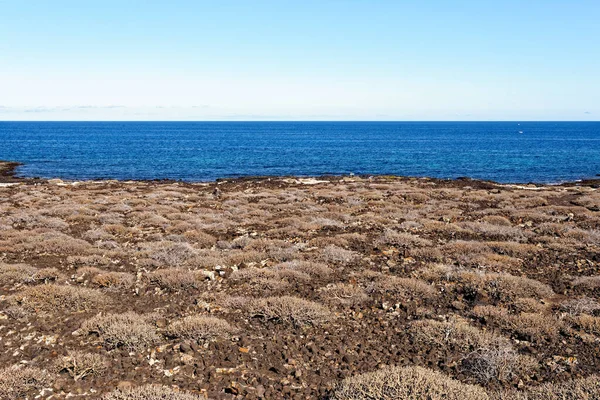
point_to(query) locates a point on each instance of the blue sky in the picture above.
(299, 60)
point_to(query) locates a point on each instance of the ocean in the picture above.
(509, 152)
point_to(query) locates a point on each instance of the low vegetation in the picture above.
(346, 288)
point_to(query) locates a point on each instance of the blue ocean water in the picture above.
(199, 151)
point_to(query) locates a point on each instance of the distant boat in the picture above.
(520, 131)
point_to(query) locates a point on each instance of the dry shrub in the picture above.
(276, 278)
(402, 239)
(46, 275)
(129, 330)
(174, 279)
(506, 287)
(314, 269)
(499, 286)
(495, 232)
(405, 383)
(53, 298)
(588, 282)
(514, 249)
(114, 280)
(587, 323)
(427, 254)
(532, 326)
(577, 389)
(496, 220)
(287, 309)
(344, 293)
(17, 381)
(199, 327)
(405, 288)
(456, 334)
(89, 261)
(16, 273)
(151, 392)
(200, 239)
(333, 253)
(529, 305)
(582, 305)
(501, 363)
(169, 253)
(79, 364)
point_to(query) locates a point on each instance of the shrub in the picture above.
(52, 298)
(169, 253)
(402, 239)
(456, 334)
(582, 305)
(16, 273)
(577, 389)
(199, 327)
(500, 363)
(114, 280)
(532, 326)
(344, 293)
(79, 364)
(151, 392)
(314, 269)
(405, 383)
(16, 381)
(333, 253)
(588, 324)
(129, 330)
(588, 282)
(174, 279)
(287, 309)
(405, 288)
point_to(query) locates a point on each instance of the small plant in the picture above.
(151, 392)
(16, 381)
(288, 309)
(114, 280)
(174, 279)
(79, 364)
(129, 330)
(344, 293)
(199, 327)
(53, 298)
(405, 383)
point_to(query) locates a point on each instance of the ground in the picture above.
(293, 288)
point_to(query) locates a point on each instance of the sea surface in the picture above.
(544, 152)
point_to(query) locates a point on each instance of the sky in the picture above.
(299, 60)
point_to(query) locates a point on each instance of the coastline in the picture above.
(8, 174)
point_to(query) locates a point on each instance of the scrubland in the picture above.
(345, 288)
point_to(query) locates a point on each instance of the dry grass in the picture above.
(202, 328)
(17, 381)
(129, 330)
(53, 298)
(151, 392)
(408, 383)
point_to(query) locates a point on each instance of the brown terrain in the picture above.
(340, 288)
